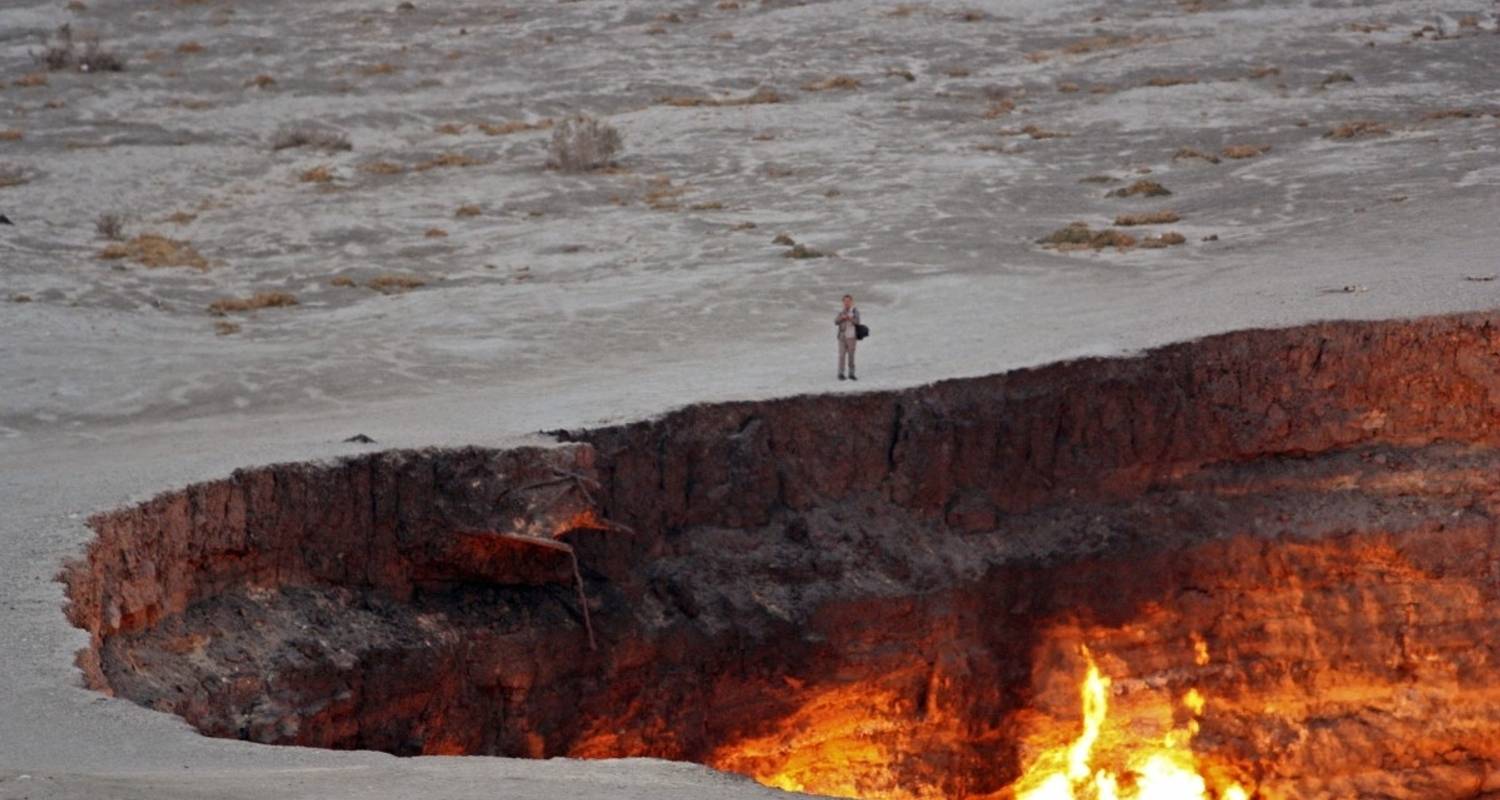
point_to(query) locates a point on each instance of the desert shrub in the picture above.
(1171, 80)
(800, 250)
(254, 302)
(11, 135)
(1078, 236)
(1245, 150)
(155, 250)
(318, 174)
(1038, 133)
(761, 96)
(381, 168)
(1337, 77)
(435, 233)
(448, 160)
(1099, 179)
(1356, 129)
(1141, 188)
(582, 143)
(507, 128)
(261, 82)
(1189, 152)
(288, 137)
(395, 284)
(1148, 218)
(57, 52)
(110, 226)
(837, 82)
(1450, 113)
(467, 210)
(342, 280)
(1165, 240)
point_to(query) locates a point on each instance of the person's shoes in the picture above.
(841, 376)
(852, 378)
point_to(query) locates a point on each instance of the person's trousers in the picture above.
(846, 353)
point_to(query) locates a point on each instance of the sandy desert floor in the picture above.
(924, 147)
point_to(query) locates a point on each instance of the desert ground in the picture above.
(441, 285)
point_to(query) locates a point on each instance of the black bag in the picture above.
(861, 331)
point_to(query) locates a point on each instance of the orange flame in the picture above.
(1164, 770)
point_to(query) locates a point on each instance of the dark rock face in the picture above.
(879, 595)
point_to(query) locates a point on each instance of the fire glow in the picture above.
(1163, 770)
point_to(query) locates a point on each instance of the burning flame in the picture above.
(1166, 770)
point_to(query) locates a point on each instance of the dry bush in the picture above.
(712, 205)
(1099, 179)
(1174, 80)
(1356, 129)
(261, 82)
(1000, 108)
(902, 11)
(180, 218)
(842, 83)
(450, 128)
(1165, 240)
(505, 128)
(342, 280)
(1265, 72)
(1141, 188)
(383, 68)
(292, 136)
(468, 210)
(761, 96)
(1105, 42)
(395, 284)
(435, 233)
(224, 327)
(1068, 87)
(97, 59)
(1038, 133)
(784, 240)
(722, 36)
(1245, 150)
(155, 250)
(449, 160)
(110, 226)
(662, 196)
(1368, 27)
(902, 73)
(728, 5)
(318, 174)
(30, 79)
(801, 251)
(254, 302)
(12, 175)
(189, 48)
(1078, 236)
(1148, 218)
(381, 168)
(1450, 113)
(1337, 77)
(582, 143)
(20, 298)
(957, 72)
(11, 135)
(1189, 152)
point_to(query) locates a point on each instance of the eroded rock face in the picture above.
(878, 595)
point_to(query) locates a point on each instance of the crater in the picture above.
(1268, 557)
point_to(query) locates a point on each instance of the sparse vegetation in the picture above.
(451, 129)
(467, 210)
(293, 136)
(189, 48)
(1068, 87)
(1078, 236)
(180, 218)
(1000, 108)
(224, 327)
(1171, 80)
(842, 83)
(1167, 239)
(582, 143)
(1356, 129)
(761, 96)
(342, 280)
(30, 80)
(1038, 133)
(1450, 113)
(1189, 152)
(1099, 179)
(1148, 218)
(395, 284)
(435, 233)
(254, 302)
(11, 135)
(1245, 150)
(261, 82)
(1141, 188)
(449, 160)
(383, 68)
(154, 250)
(110, 226)
(1265, 72)
(1336, 77)
(381, 168)
(505, 128)
(319, 174)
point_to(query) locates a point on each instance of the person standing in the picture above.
(847, 326)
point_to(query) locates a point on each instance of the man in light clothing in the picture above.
(847, 324)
